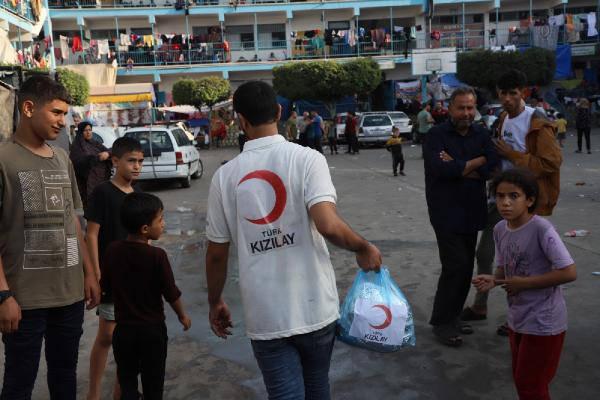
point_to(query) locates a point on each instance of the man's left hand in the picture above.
(92, 291)
(445, 156)
(503, 148)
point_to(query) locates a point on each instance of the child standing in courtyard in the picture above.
(532, 264)
(561, 127)
(104, 227)
(139, 275)
(394, 144)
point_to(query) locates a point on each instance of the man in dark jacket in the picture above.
(459, 158)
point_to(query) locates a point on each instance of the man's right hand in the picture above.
(369, 258)
(10, 315)
(220, 319)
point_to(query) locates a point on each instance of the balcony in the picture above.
(21, 9)
(61, 4)
(214, 53)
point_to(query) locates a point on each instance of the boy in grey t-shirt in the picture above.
(45, 273)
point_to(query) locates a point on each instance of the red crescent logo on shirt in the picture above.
(388, 317)
(280, 195)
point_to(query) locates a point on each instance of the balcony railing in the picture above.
(169, 3)
(21, 9)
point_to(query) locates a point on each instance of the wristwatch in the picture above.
(5, 294)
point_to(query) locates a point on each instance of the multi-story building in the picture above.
(20, 22)
(158, 41)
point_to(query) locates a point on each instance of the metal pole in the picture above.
(392, 30)
(154, 44)
(81, 34)
(530, 23)
(119, 39)
(463, 27)
(255, 35)
(187, 30)
(324, 27)
(358, 35)
(48, 32)
(222, 44)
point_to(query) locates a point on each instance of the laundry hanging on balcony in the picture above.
(545, 36)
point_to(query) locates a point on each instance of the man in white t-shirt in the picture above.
(276, 203)
(526, 139)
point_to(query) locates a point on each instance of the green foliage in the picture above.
(204, 91)
(363, 75)
(76, 84)
(482, 68)
(326, 81)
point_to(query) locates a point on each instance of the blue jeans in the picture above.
(297, 367)
(61, 327)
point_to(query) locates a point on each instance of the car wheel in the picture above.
(199, 171)
(186, 182)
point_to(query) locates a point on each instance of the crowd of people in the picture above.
(501, 184)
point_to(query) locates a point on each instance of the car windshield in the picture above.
(398, 115)
(160, 140)
(376, 120)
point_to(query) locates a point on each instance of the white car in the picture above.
(104, 135)
(374, 128)
(168, 154)
(402, 122)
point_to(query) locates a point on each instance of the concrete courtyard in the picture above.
(392, 213)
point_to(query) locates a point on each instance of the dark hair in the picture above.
(81, 127)
(124, 145)
(523, 179)
(42, 89)
(257, 102)
(463, 91)
(139, 209)
(512, 79)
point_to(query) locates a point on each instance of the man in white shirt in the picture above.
(276, 203)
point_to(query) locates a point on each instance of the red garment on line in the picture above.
(76, 46)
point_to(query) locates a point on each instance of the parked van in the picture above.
(168, 154)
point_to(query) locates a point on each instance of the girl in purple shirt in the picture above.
(532, 263)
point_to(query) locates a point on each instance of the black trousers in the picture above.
(457, 254)
(580, 133)
(398, 159)
(141, 350)
(352, 144)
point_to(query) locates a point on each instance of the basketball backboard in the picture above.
(429, 61)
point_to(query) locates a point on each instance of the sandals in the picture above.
(447, 334)
(502, 330)
(464, 328)
(469, 315)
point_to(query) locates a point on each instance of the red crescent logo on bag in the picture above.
(388, 317)
(280, 195)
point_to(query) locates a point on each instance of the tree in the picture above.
(482, 68)
(76, 84)
(206, 91)
(326, 81)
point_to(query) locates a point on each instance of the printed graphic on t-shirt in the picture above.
(262, 199)
(48, 205)
(517, 262)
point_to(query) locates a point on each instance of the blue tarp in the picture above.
(451, 81)
(195, 122)
(563, 62)
(344, 105)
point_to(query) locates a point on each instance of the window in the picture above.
(376, 120)
(180, 137)
(141, 31)
(343, 25)
(241, 37)
(110, 34)
(271, 36)
(160, 142)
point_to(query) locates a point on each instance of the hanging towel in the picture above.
(148, 40)
(591, 20)
(103, 47)
(64, 47)
(398, 29)
(76, 46)
(125, 40)
(556, 20)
